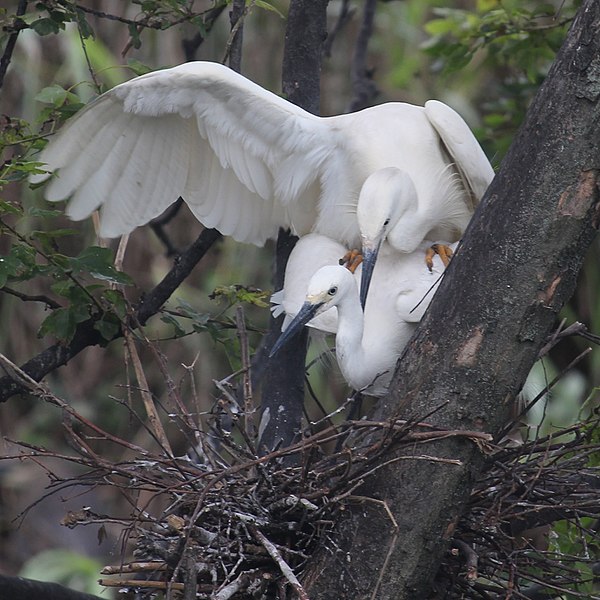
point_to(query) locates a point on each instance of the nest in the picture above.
(238, 524)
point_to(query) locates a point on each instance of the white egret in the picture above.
(396, 205)
(247, 161)
(324, 295)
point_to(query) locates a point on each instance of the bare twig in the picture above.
(559, 334)
(249, 408)
(283, 566)
(362, 83)
(146, 395)
(157, 225)
(233, 49)
(11, 43)
(31, 298)
(345, 16)
(470, 558)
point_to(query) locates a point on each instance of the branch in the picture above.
(516, 268)
(86, 335)
(283, 385)
(345, 16)
(29, 298)
(363, 86)
(190, 46)
(183, 266)
(11, 43)
(157, 225)
(233, 51)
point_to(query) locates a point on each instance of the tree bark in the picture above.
(283, 383)
(514, 271)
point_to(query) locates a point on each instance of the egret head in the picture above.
(326, 288)
(384, 198)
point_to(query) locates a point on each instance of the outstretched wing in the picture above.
(245, 161)
(464, 150)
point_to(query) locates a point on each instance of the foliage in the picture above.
(513, 40)
(75, 279)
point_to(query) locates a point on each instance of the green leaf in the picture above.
(60, 323)
(63, 288)
(139, 68)
(171, 320)
(85, 29)
(7, 207)
(266, 6)
(98, 262)
(107, 327)
(46, 213)
(18, 264)
(135, 36)
(199, 23)
(117, 302)
(45, 26)
(240, 293)
(53, 94)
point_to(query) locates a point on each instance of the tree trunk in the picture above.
(516, 268)
(283, 384)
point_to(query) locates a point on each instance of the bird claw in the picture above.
(351, 259)
(444, 252)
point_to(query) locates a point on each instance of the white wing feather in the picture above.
(470, 160)
(241, 157)
(248, 162)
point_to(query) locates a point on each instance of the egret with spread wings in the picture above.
(248, 162)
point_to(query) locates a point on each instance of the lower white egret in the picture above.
(247, 161)
(324, 295)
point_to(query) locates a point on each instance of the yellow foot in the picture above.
(351, 259)
(444, 252)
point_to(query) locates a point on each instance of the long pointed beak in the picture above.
(306, 313)
(369, 254)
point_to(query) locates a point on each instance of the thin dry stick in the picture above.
(102, 242)
(232, 588)
(38, 388)
(120, 255)
(246, 378)
(283, 566)
(146, 396)
(239, 23)
(470, 557)
(20, 375)
(139, 583)
(134, 567)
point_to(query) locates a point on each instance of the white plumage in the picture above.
(247, 161)
(367, 345)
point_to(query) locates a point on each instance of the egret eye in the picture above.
(332, 291)
(386, 222)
